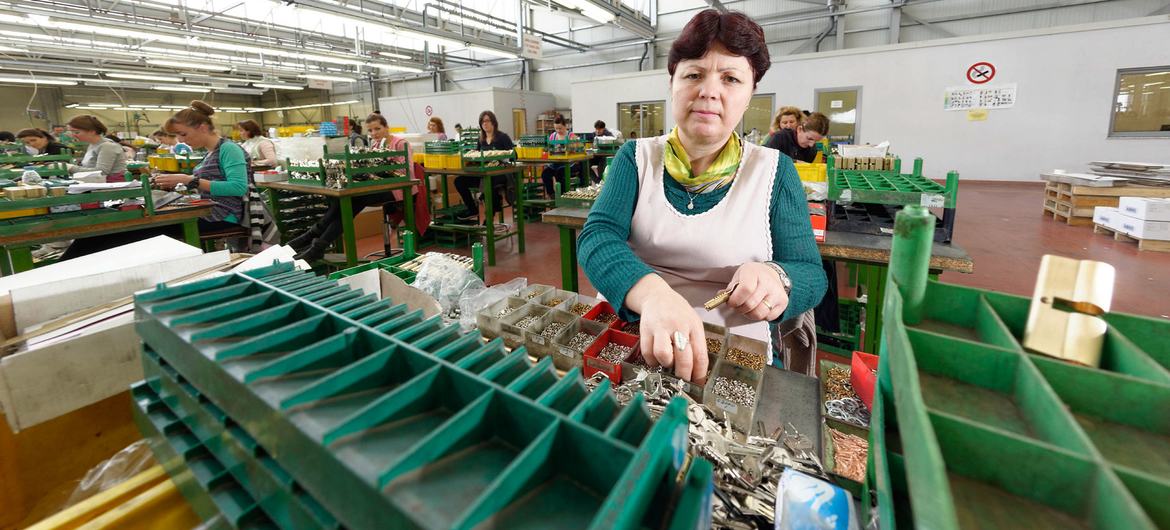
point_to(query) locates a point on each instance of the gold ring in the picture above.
(766, 304)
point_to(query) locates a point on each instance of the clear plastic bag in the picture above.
(446, 280)
(473, 301)
(132, 460)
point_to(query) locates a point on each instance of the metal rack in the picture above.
(890, 188)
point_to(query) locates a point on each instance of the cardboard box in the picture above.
(1150, 230)
(1106, 216)
(1146, 209)
(819, 219)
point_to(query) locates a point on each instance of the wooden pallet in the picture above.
(1074, 204)
(1143, 244)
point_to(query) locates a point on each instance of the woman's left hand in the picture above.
(169, 181)
(759, 294)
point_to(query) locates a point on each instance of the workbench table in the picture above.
(16, 238)
(568, 161)
(345, 197)
(488, 229)
(871, 253)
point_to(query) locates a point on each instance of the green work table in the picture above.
(871, 253)
(345, 197)
(488, 230)
(17, 235)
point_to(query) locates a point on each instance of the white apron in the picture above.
(697, 255)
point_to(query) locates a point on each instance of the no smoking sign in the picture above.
(429, 110)
(981, 72)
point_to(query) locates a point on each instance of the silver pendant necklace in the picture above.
(691, 204)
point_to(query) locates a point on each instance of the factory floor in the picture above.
(999, 224)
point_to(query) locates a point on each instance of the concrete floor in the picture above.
(999, 224)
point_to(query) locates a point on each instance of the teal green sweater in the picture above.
(613, 268)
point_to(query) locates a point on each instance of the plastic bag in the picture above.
(473, 301)
(808, 503)
(816, 191)
(446, 280)
(132, 460)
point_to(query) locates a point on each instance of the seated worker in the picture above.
(598, 130)
(222, 177)
(41, 141)
(103, 154)
(261, 150)
(800, 144)
(786, 118)
(166, 141)
(435, 126)
(130, 150)
(557, 171)
(311, 245)
(490, 138)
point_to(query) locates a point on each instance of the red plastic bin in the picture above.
(594, 364)
(600, 309)
(862, 376)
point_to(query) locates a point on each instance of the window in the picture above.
(841, 105)
(1141, 103)
(643, 119)
(758, 116)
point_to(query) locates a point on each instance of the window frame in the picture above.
(1112, 132)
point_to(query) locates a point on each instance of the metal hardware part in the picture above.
(1064, 318)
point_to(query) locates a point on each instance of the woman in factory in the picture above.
(222, 176)
(42, 141)
(435, 126)
(557, 171)
(697, 211)
(259, 148)
(800, 143)
(164, 139)
(103, 154)
(490, 138)
(311, 245)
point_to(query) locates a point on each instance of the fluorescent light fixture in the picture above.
(1156, 83)
(1155, 74)
(143, 106)
(163, 78)
(491, 51)
(72, 105)
(589, 9)
(326, 77)
(38, 80)
(102, 104)
(123, 108)
(85, 107)
(182, 88)
(241, 91)
(399, 68)
(193, 66)
(278, 86)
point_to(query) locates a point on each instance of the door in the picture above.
(758, 116)
(843, 107)
(519, 123)
(641, 119)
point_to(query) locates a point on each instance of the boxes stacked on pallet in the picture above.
(979, 432)
(1140, 219)
(284, 399)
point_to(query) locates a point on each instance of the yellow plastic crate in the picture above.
(434, 161)
(454, 161)
(164, 163)
(418, 158)
(812, 172)
(28, 212)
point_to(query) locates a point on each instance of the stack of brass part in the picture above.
(865, 163)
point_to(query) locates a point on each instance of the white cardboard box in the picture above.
(1144, 208)
(1152, 230)
(1106, 216)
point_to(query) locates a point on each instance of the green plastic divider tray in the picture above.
(392, 420)
(203, 480)
(250, 464)
(992, 436)
(890, 187)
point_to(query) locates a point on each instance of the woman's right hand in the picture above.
(665, 312)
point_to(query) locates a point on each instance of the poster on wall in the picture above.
(979, 97)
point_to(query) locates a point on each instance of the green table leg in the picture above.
(5, 266)
(347, 233)
(568, 177)
(488, 222)
(874, 278)
(408, 196)
(21, 259)
(191, 232)
(568, 259)
(446, 192)
(274, 211)
(518, 214)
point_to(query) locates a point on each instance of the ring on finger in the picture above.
(766, 304)
(681, 341)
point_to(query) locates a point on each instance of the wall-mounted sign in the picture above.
(320, 83)
(530, 48)
(980, 72)
(979, 97)
(429, 110)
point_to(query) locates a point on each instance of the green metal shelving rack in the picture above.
(393, 420)
(970, 429)
(896, 189)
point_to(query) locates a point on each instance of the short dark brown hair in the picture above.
(816, 122)
(196, 114)
(251, 127)
(734, 30)
(559, 120)
(598, 124)
(86, 122)
(377, 117)
(39, 133)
